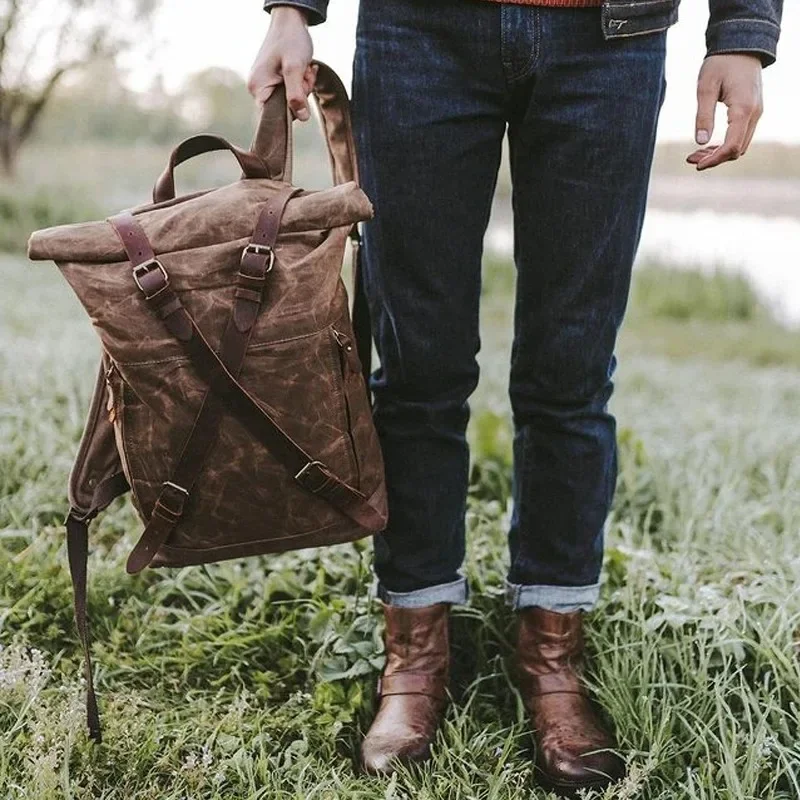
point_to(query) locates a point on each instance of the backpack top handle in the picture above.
(270, 154)
(273, 137)
(252, 165)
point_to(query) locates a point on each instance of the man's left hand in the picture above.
(733, 79)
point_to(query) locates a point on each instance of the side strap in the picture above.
(257, 261)
(153, 281)
(361, 319)
(77, 525)
(412, 683)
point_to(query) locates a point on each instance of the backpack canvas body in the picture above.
(300, 366)
(297, 365)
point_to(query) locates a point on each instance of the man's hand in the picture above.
(733, 79)
(285, 57)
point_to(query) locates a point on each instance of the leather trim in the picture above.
(401, 683)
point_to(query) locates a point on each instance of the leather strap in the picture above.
(252, 165)
(412, 683)
(256, 263)
(77, 525)
(551, 683)
(314, 476)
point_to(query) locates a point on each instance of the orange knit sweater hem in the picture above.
(555, 3)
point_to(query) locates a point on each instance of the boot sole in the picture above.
(571, 789)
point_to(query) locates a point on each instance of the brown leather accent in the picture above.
(573, 748)
(412, 683)
(412, 687)
(252, 165)
(134, 239)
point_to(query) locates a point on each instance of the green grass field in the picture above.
(255, 679)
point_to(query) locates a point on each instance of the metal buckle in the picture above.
(175, 486)
(308, 467)
(260, 250)
(303, 475)
(146, 267)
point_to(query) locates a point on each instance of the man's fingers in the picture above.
(293, 77)
(735, 138)
(310, 78)
(756, 116)
(263, 93)
(708, 90)
(701, 153)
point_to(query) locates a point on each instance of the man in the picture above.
(578, 86)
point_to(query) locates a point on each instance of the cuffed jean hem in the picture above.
(563, 599)
(456, 592)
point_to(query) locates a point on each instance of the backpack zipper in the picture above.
(114, 409)
(345, 348)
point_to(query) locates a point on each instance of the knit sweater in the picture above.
(555, 3)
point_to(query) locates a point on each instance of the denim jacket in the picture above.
(735, 26)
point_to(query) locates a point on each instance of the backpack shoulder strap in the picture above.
(95, 481)
(97, 460)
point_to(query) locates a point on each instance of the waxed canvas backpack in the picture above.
(231, 398)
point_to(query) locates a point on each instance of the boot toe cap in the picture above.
(380, 755)
(588, 770)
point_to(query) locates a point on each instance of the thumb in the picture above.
(708, 89)
(295, 94)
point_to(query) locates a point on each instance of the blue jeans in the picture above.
(436, 87)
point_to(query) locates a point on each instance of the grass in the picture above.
(254, 679)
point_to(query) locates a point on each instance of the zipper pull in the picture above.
(111, 400)
(342, 340)
(348, 351)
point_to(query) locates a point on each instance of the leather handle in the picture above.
(273, 137)
(252, 165)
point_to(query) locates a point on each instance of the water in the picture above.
(765, 249)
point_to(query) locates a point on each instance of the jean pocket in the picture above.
(638, 17)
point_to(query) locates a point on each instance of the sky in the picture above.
(196, 34)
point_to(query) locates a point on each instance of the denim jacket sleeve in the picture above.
(745, 26)
(736, 26)
(317, 9)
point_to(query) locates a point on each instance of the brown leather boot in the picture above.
(412, 687)
(573, 749)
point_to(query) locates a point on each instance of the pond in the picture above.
(765, 249)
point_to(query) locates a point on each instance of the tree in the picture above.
(42, 41)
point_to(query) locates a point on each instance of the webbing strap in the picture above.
(257, 261)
